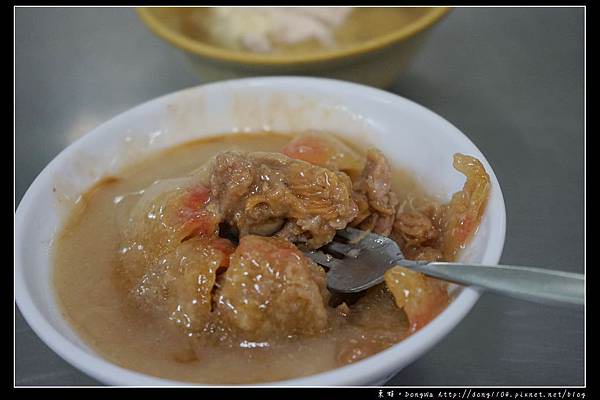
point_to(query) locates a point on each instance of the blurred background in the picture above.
(512, 79)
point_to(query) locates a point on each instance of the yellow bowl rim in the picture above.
(186, 43)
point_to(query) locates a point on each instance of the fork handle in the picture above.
(527, 283)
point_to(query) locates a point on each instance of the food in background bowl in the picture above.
(187, 266)
(371, 45)
(267, 29)
(291, 30)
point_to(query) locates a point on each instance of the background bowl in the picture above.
(376, 62)
(411, 136)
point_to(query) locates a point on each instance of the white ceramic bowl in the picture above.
(411, 136)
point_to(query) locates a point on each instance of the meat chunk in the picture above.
(427, 230)
(179, 285)
(418, 222)
(415, 228)
(372, 193)
(466, 207)
(257, 193)
(170, 252)
(169, 212)
(421, 297)
(271, 288)
(326, 151)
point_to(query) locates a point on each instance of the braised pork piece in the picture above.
(196, 267)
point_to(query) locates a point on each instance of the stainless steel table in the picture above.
(509, 78)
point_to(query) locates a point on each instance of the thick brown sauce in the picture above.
(86, 252)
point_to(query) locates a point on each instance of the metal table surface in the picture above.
(511, 79)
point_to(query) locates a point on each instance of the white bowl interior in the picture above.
(411, 136)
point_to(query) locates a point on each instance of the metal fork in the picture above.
(361, 260)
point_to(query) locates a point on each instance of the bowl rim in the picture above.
(199, 48)
(364, 370)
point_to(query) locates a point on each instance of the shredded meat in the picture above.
(257, 193)
(271, 288)
(415, 228)
(372, 193)
(418, 229)
(376, 202)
